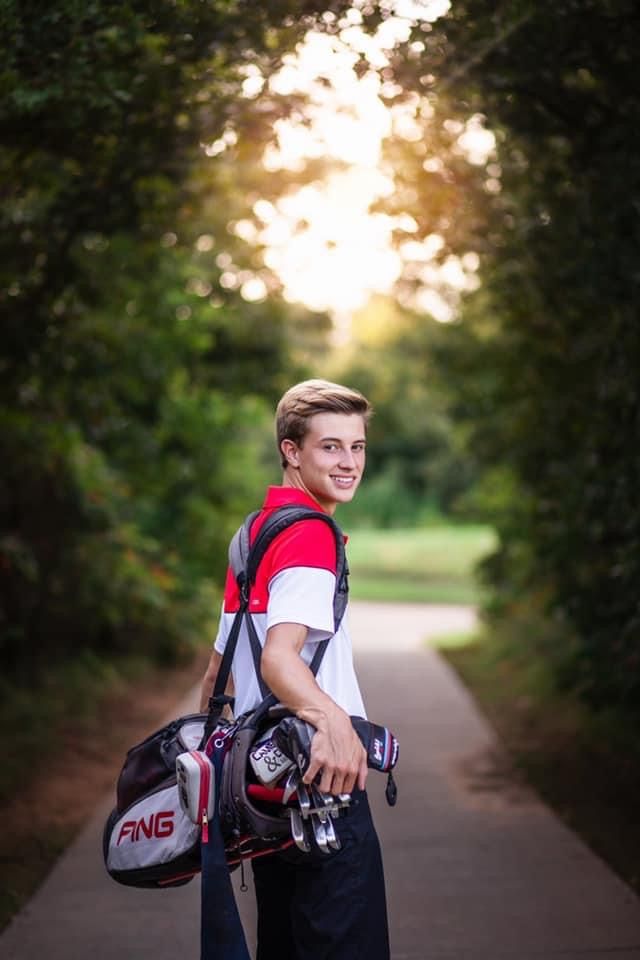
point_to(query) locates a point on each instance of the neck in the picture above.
(291, 478)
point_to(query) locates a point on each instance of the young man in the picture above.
(312, 906)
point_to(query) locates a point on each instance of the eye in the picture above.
(359, 447)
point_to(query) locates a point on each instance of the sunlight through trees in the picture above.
(204, 201)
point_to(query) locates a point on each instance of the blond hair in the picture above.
(305, 399)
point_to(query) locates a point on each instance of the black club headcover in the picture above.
(293, 738)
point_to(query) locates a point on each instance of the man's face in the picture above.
(330, 462)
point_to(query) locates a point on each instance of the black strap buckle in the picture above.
(243, 587)
(219, 702)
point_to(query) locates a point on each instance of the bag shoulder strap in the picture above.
(240, 547)
(245, 558)
(276, 523)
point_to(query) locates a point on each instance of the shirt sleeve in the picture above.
(310, 543)
(303, 595)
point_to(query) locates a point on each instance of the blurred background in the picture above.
(436, 203)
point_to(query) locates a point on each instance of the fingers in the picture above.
(340, 768)
(359, 776)
(348, 783)
(329, 780)
(314, 768)
(363, 772)
(332, 780)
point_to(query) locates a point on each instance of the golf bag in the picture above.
(149, 839)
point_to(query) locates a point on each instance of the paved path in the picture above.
(477, 868)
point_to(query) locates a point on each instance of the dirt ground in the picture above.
(45, 815)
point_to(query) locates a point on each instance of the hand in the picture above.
(336, 752)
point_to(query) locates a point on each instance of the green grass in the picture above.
(453, 641)
(422, 565)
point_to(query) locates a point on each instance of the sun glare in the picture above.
(327, 248)
(322, 240)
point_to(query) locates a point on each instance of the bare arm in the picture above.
(336, 749)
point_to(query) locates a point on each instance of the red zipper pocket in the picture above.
(205, 789)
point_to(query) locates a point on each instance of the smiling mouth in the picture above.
(344, 481)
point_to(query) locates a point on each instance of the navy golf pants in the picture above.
(318, 906)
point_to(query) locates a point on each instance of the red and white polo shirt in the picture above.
(295, 584)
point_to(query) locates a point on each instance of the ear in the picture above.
(290, 453)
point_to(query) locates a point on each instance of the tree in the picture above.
(546, 356)
(128, 433)
(416, 465)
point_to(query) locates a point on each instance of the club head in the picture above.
(320, 834)
(291, 785)
(303, 799)
(297, 831)
(332, 837)
(320, 802)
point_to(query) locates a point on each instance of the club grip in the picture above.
(292, 736)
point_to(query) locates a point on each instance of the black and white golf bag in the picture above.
(245, 775)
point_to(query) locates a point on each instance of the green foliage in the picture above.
(417, 468)
(384, 501)
(525, 411)
(546, 359)
(134, 386)
(133, 379)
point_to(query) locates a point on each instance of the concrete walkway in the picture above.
(477, 868)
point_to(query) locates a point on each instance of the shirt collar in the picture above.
(281, 496)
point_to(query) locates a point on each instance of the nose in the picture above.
(347, 459)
